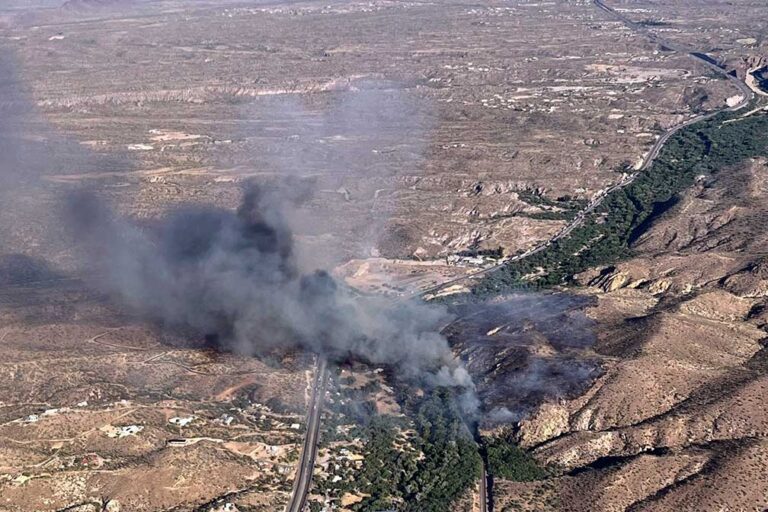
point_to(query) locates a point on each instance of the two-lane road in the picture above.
(700, 56)
(306, 464)
(483, 491)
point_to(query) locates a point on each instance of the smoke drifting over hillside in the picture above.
(234, 275)
(529, 348)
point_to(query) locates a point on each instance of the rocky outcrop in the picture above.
(547, 422)
(749, 63)
(751, 281)
(196, 94)
(683, 327)
(738, 416)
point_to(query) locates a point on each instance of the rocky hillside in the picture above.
(678, 421)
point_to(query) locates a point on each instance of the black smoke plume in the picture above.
(234, 275)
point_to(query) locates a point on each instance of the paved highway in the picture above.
(483, 490)
(306, 464)
(700, 56)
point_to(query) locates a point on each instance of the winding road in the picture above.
(746, 96)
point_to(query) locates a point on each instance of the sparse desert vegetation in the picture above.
(416, 143)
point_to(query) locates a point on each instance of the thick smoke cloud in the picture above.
(234, 275)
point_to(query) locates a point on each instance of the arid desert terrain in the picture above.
(576, 189)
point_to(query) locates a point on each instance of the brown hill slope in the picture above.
(679, 420)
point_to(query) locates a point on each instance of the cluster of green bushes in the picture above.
(507, 460)
(439, 463)
(566, 206)
(703, 148)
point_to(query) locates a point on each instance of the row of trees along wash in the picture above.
(701, 149)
